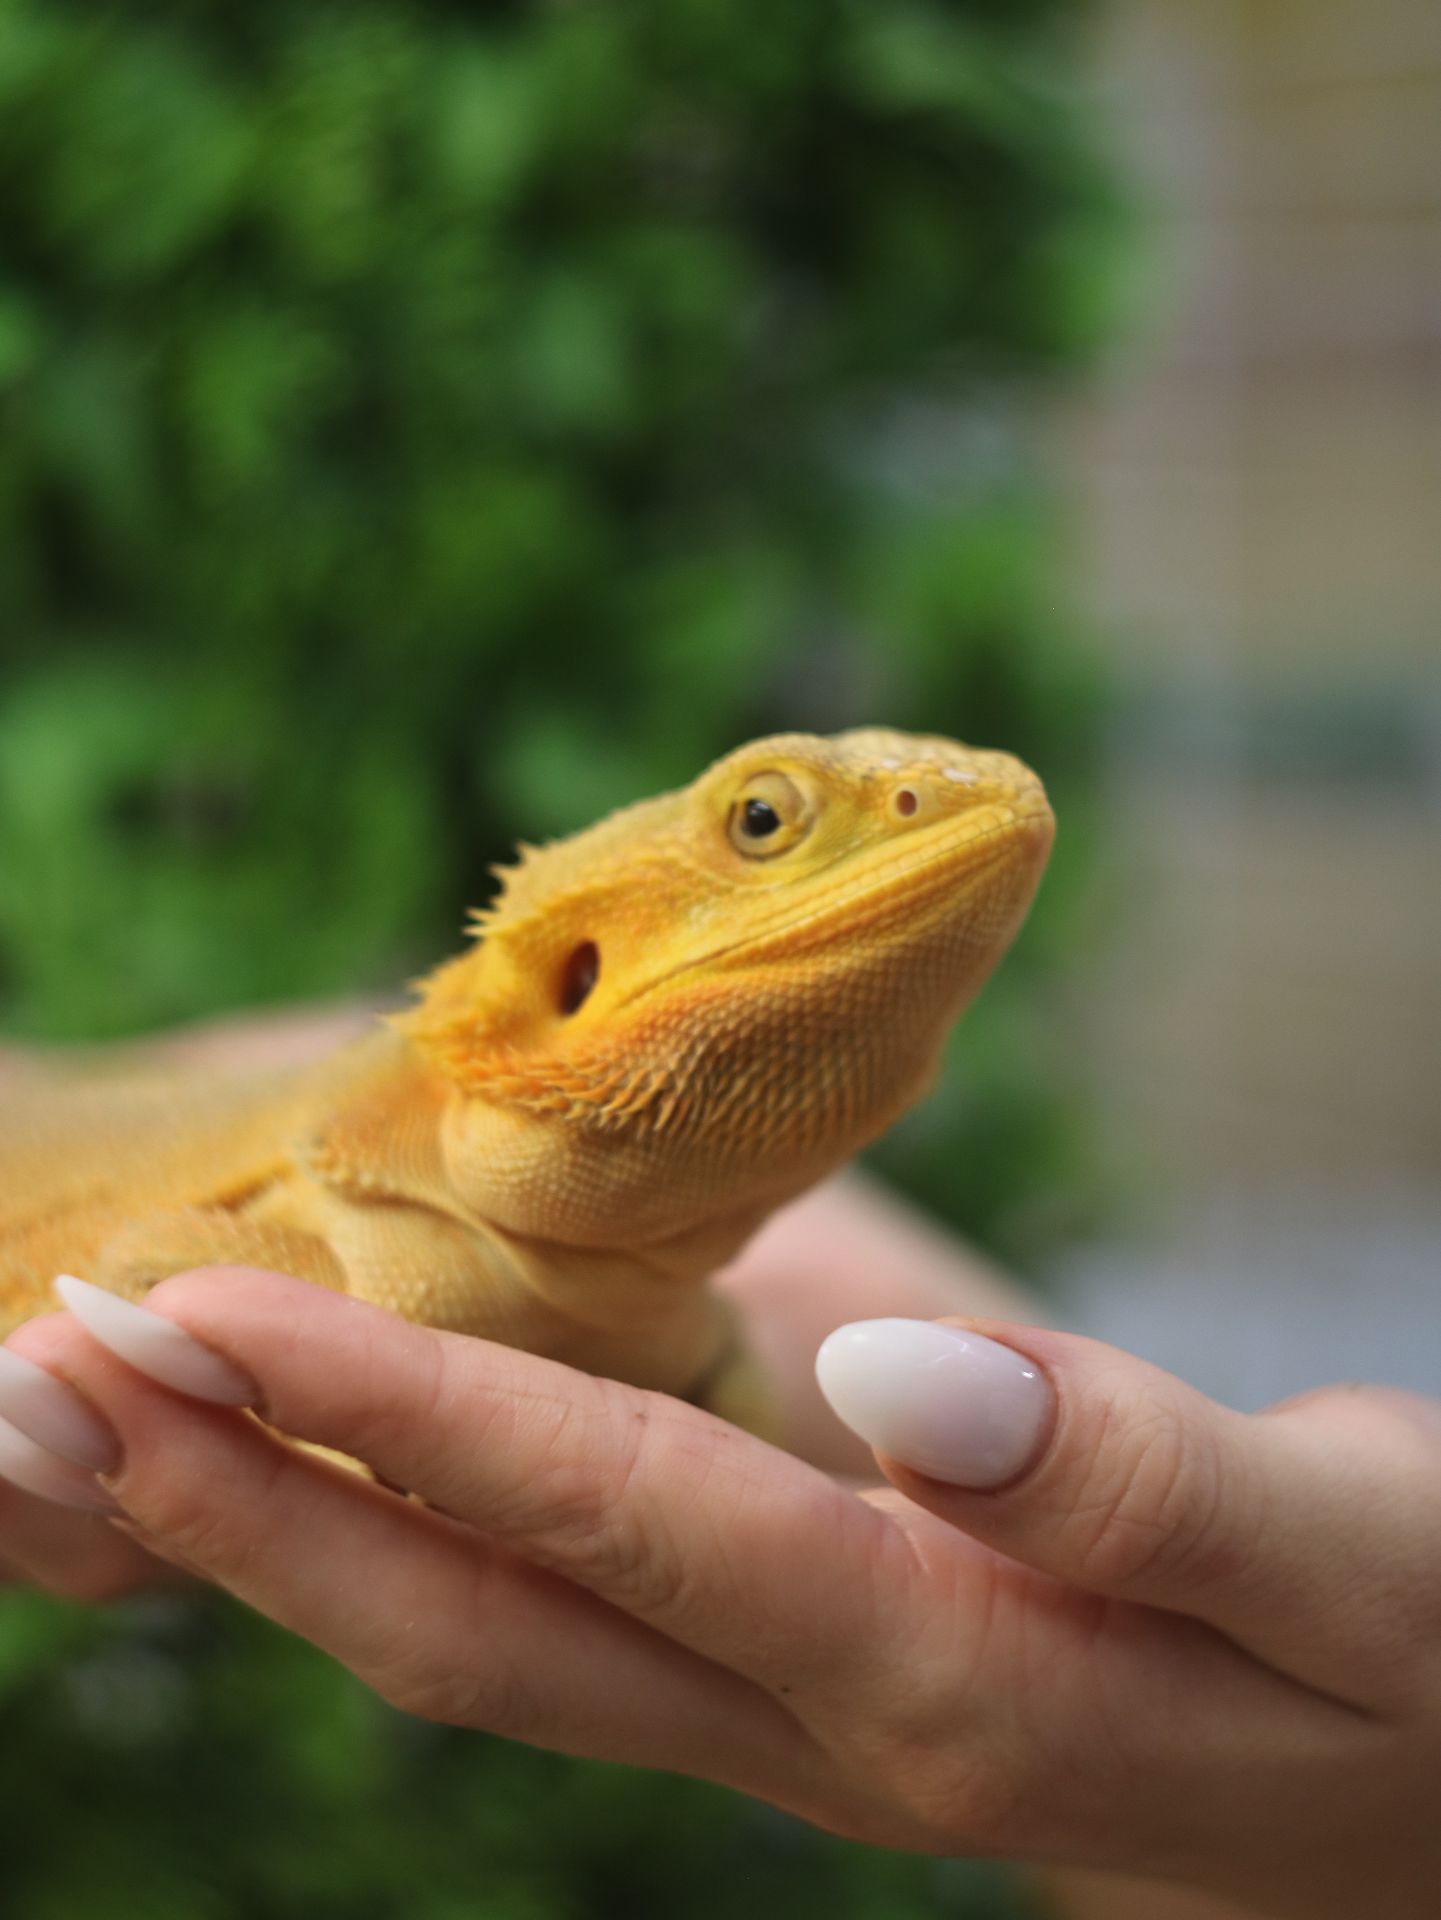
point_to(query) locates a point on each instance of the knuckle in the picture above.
(423, 1689)
(426, 1688)
(1149, 1506)
(978, 1806)
(958, 1768)
(422, 1677)
(198, 1520)
(208, 1540)
(596, 1518)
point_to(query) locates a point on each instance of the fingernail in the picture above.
(155, 1346)
(52, 1413)
(950, 1403)
(36, 1470)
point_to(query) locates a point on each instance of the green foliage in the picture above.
(221, 1771)
(422, 425)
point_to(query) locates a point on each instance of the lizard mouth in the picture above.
(934, 872)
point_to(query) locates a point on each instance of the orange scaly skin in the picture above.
(670, 1024)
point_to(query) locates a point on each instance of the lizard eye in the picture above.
(768, 816)
(580, 974)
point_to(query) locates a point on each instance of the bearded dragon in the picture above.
(667, 1026)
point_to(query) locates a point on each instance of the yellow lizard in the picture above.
(669, 1024)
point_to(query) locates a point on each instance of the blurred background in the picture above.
(1255, 492)
(422, 425)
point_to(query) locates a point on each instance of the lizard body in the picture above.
(669, 1024)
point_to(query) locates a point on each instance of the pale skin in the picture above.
(1181, 1646)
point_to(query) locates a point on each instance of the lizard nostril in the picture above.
(582, 970)
(906, 802)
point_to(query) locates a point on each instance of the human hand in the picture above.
(1172, 1640)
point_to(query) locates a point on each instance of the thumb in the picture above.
(1309, 1534)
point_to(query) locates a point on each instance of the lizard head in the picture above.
(710, 999)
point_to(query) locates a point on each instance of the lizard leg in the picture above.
(142, 1254)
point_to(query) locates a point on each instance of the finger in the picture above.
(844, 1251)
(438, 1620)
(77, 1556)
(661, 1509)
(385, 1610)
(1311, 1543)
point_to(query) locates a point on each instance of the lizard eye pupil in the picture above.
(759, 818)
(580, 974)
(768, 816)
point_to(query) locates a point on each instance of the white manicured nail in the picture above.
(155, 1346)
(54, 1415)
(950, 1403)
(36, 1470)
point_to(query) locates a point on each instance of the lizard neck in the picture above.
(620, 1289)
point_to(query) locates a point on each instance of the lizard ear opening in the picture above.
(578, 976)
